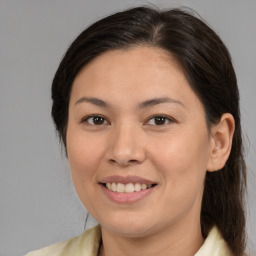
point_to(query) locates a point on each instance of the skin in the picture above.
(175, 154)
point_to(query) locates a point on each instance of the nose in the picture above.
(126, 146)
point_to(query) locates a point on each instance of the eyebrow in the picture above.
(157, 101)
(94, 101)
(144, 104)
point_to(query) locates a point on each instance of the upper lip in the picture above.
(126, 180)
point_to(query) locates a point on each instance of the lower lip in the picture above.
(126, 197)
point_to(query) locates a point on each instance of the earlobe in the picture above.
(221, 142)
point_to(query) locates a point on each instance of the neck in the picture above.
(182, 240)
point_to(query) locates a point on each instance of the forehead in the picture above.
(133, 63)
(135, 55)
(138, 72)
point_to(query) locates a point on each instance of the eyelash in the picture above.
(106, 122)
(163, 117)
(93, 117)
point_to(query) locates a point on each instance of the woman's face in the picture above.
(136, 126)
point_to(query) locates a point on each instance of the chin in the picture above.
(128, 226)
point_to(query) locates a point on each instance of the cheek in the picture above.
(83, 156)
(182, 160)
(182, 165)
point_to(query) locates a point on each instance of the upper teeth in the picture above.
(127, 188)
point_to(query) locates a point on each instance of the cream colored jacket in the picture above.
(88, 244)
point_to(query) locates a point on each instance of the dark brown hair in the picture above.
(208, 68)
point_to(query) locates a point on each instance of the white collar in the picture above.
(214, 245)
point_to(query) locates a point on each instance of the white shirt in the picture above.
(88, 243)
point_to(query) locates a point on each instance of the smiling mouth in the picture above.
(127, 188)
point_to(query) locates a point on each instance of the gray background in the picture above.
(38, 205)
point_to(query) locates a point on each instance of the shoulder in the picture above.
(85, 244)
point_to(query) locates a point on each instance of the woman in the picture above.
(147, 106)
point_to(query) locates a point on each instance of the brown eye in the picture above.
(96, 120)
(159, 120)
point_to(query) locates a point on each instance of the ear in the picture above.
(221, 142)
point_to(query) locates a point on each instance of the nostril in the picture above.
(123, 162)
(112, 161)
(133, 161)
